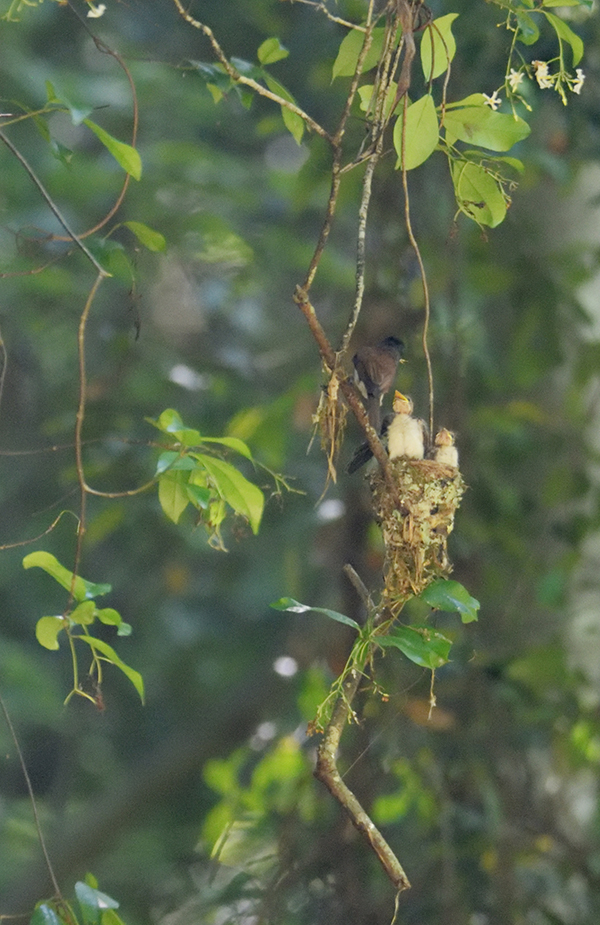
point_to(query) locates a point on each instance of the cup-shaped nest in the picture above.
(416, 521)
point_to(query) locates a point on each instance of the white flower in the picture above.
(95, 12)
(544, 79)
(492, 101)
(515, 78)
(578, 82)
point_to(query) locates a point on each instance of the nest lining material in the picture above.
(415, 523)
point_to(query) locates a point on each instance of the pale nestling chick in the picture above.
(445, 450)
(406, 435)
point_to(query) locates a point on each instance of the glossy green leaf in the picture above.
(480, 125)
(172, 460)
(78, 115)
(82, 589)
(289, 604)
(111, 656)
(365, 94)
(92, 902)
(45, 915)
(292, 121)
(350, 49)
(233, 443)
(172, 494)
(200, 496)
(271, 51)
(421, 135)
(126, 156)
(451, 596)
(438, 46)
(47, 630)
(150, 238)
(567, 35)
(478, 194)
(84, 613)
(421, 644)
(214, 75)
(243, 496)
(110, 917)
(169, 421)
(111, 617)
(529, 31)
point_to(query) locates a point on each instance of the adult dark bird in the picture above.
(374, 373)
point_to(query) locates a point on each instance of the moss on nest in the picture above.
(415, 524)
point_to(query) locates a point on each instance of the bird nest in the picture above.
(415, 523)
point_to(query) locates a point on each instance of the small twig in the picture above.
(54, 208)
(34, 539)
(415, 247)
(359, 586)
(32, 800)
(380, 99)
(104, 49)
(326, 771)
(4, 362)
(79, 424)
(320, 5)
(248, 81)
(336, 167)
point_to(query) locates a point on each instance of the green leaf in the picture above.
(528, 32)
(82, 589)
(111, 617)
(200, 496)
(110, 917)
(214, 75)
(126, 156)
(476, 155)
(565, 33)
(289, 604)
(84, 613)
(234, 443)
(422, 133)
(45, 915)
(365, 94)
(292, 121)
(435, 55)
(170, 423)
(150, 238)
(47, 630)
(478, 194)
(92, 902)
(350, 49)
(451, 596)
(421, 644)
(271, 51)
(78, 115)
(172, 494)
(480, 125)
(172, 460)
(111, 656)
(243, 496)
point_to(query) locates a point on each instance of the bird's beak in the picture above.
(398, 396)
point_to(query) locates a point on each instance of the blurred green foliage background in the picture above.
(492, 806)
